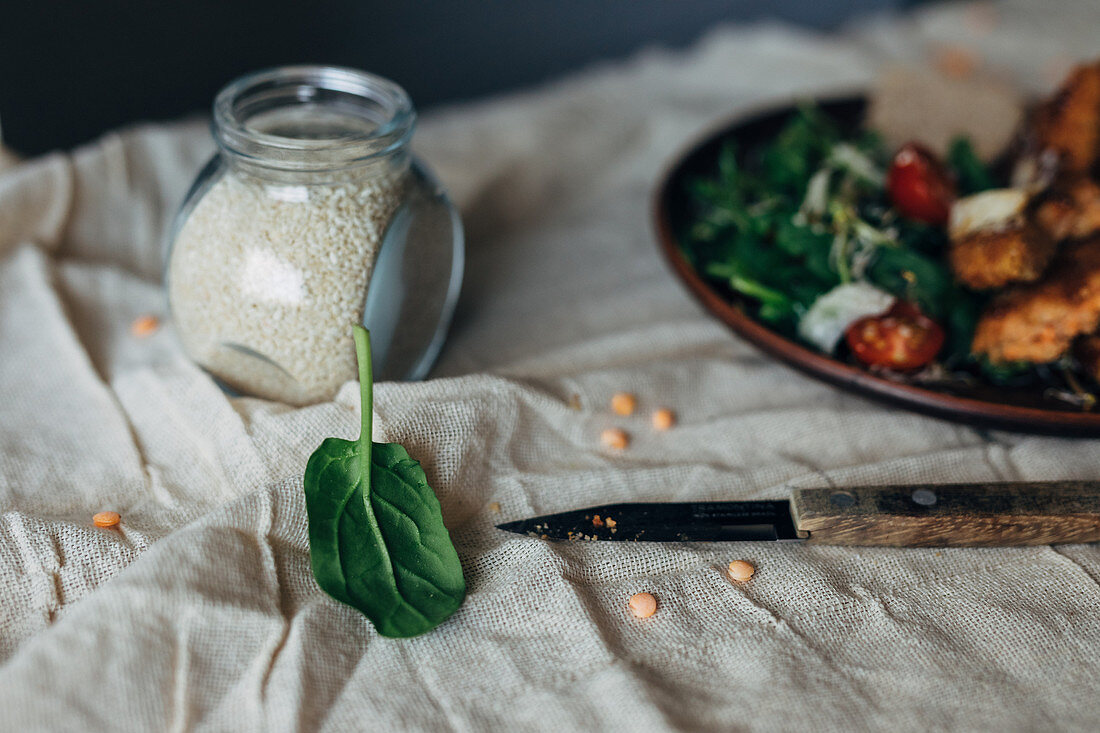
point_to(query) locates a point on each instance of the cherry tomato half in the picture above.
(902, 339)
(920, 186)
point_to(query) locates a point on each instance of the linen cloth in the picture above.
(200, 612)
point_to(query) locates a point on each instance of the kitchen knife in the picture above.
(947, 515)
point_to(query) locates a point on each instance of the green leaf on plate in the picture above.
(973, 175)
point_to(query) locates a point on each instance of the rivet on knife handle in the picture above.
(950, 515)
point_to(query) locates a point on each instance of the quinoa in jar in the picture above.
(272, 253)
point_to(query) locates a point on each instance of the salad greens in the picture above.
(787, 222)
(971, 173)
(376, 535)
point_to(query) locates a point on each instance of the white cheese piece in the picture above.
(832, 313)
(994, 210)
(850, 158)
(817, 194)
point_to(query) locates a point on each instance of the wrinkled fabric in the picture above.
(200, 611)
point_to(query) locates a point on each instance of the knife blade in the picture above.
(944, 515)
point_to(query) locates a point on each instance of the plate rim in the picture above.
(966, 410)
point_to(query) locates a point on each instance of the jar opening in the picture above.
(312, 118)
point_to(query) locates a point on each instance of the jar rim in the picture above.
(382, 107)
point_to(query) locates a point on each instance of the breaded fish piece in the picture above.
(993, 259)
(1038, 322)
(994, 243)
(1069, 122)
(1070, 209)
(1087, 351)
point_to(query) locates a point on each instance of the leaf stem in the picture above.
(366, 399)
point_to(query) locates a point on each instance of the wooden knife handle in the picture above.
(951, 515)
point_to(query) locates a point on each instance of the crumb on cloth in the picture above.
(615, 438)
(624, 403)
(741, 571)
(106, 519)
(643, 605)
(663, 419)
(144, 326)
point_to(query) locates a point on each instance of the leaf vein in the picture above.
(415, 574)
(419, 533)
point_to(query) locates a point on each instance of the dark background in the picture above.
(72, 69)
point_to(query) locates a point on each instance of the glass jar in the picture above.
(312, 216)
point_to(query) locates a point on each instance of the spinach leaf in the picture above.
(972, 173)
(922, 238)
(1012, 374)
(799, 240)
(961, 320)
(788, 161)
(914, 277)
(376, 536)
(778, 304)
